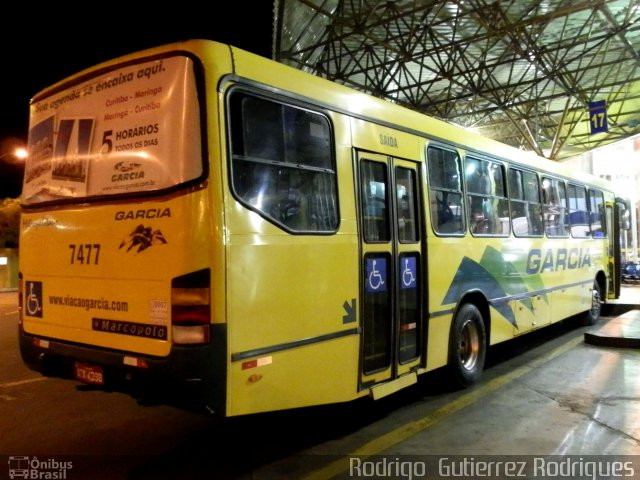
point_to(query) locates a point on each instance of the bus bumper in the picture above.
(191, 377)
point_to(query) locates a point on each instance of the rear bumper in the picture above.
(192, 377)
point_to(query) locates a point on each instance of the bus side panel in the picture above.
(300, 377)
(438, 341)
(549, 280)
(291, 321)
(568, 269)
(292, 303)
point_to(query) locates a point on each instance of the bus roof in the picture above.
(336, 97)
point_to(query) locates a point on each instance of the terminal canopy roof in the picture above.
(538, 75)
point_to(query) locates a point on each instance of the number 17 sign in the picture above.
(598, 116)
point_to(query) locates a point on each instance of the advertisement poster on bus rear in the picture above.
(131, 129)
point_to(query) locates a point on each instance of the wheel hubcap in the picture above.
(469, 346)
(595, 302)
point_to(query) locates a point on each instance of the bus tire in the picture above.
(592, 315)
(468, 345)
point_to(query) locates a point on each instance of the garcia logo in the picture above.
(126, 166)
(142, 214)
(142, 238)
(127, 171)
(551, 260)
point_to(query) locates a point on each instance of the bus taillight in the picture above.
(190, 308)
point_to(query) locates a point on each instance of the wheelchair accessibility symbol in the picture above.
(376, 275)
(33, 301)
(408, 273)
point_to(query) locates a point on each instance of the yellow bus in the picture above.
(202, 220)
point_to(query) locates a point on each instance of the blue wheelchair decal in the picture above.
(408, 273)
(33, 299)
(376, 275)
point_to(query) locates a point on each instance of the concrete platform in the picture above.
(621, 331)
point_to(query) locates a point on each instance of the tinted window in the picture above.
(407, 205)
(445, 190)
(487, 204)
(596, 214)
(282, 163)
(375, 202)
(554, 197)
(578, 212)
(524, 203)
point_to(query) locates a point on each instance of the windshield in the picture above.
(132, 129)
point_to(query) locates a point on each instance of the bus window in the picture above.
(445, 191)
(282, 164)
(554, 197)
(625, 214)
(596, 214)
(524, 201)
(407, 205)
(578, 213)
(374, 201)
(486, 199)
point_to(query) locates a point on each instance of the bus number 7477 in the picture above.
(85, 254)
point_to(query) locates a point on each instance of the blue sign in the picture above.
(408, 273)
(33, 299)
(598, 116)
(376, 275)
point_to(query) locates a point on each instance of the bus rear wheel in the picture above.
(468, 345)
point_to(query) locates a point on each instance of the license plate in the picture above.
(91, 374)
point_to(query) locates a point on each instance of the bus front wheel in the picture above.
(468, 345)
(592, 315)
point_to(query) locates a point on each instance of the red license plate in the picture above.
(91, 374)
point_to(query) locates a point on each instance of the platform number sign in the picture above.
(598, 116)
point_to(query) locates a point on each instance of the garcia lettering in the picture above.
(552, 260)
(142, 214)
(123, 177)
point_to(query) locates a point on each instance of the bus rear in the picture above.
(116, 244)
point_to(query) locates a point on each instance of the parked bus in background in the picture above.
(204, 220)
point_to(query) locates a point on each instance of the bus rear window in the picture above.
(131, 129)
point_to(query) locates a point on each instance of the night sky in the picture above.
(43, 47)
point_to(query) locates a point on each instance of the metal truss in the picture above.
(521, 71)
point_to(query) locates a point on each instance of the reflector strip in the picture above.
(135, 362)
(259, 362)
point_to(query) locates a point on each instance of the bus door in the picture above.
(392, 279)
(613, 228)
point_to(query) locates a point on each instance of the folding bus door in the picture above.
(392, 277)
(613, 233)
